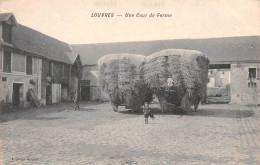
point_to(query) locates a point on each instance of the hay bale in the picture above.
(121, 78)
(189, 71)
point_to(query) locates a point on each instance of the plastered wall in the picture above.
(240, 92)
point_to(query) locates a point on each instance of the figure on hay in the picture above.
(169, 83)
(147, 112)
(76, 101)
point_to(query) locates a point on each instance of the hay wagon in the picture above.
(184, 73)
(121, 78)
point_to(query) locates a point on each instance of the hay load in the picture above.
(187, 72)
(121, 78)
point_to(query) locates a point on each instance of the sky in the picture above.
(70, 20)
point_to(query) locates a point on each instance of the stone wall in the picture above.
(26, 83)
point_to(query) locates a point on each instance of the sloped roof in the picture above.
(228, 49)
(32, 41)
(72, 56)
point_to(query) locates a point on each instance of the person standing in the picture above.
(170, 82)
(147, 113)
(76, 101)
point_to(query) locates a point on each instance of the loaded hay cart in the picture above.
(121, 78)
(177, 77)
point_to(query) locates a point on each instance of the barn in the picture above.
(34, 67)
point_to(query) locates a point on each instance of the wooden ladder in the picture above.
(35, 99)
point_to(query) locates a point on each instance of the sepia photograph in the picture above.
(136, 82)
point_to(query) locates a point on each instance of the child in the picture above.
(147, 112)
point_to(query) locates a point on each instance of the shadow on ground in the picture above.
(220, 113)
(100, 108)
(223, 113)
(45, 118)
(33, 113)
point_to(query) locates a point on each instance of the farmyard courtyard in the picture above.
(216, 134)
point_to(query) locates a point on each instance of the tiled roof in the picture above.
(32, 41)
(228, 49)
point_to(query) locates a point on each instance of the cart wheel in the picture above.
(196, 107)
(115, 108)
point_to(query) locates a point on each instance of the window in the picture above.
(252, 73)
(7, 31)
(7, 61)
(18, 62)
(29, 65)
(252, 85)
(50, 69)
(4, 79)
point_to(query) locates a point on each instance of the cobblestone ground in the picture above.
(216, 134)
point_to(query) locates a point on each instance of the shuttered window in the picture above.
(258, 73)
(35, 65)
(29, 65)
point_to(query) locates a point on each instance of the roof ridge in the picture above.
(6, 13)
(164, 40)
(227, 48)
(44, 34)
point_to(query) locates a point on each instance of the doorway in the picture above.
(48, 95)
(85, 93)
(17, 94)
(64, 92)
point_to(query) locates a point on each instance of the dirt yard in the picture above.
(216, 134)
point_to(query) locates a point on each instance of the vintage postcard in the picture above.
(129, 82)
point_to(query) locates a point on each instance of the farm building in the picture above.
(234, 70)
(34, 67)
